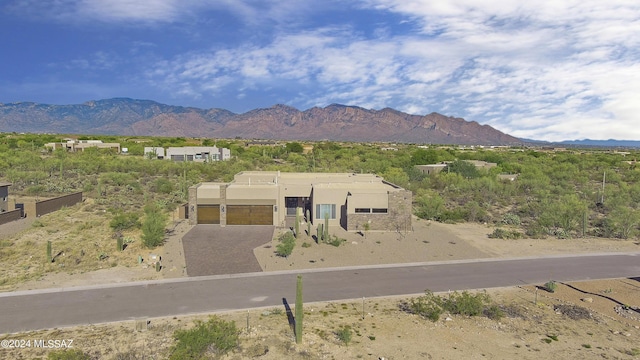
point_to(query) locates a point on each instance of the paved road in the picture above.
(31, 310)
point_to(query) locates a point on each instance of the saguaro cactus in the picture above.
(49, 258)
(299, 310)
(297, 224)
(319, 233)
(120, 243)
(326, 227)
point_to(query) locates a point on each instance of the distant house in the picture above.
(153, 152)
(435, 168)
(4, 196)
(80, 145)
(189, 153)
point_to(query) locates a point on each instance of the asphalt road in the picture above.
(41, 309)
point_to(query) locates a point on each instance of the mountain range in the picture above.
(131, 117)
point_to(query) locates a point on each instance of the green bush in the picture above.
(511, 219)
(344, 334)
(123, 221)
(466, 303)
(431, 306)
(153, 226)
(500, 233)
(287, 243)
(428, 306)
(215, 335)
(494, 312)
(551, 286)
(163, 186)
(335, 241)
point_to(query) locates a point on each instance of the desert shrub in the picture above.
(494, 312)
(215, 335)
(68, 354)
(428, 306)
(551, 286)
(163, 186)
(431, 306)
(335, 241)
(35, 190)
(466, 303)
(125, 220)
(500, 233)
(453, 216)
(153, 226)
(511, 219)
(344, 334)
(286, 245)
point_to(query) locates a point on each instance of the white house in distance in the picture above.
(189, 153)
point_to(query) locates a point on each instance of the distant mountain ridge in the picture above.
(123, 116)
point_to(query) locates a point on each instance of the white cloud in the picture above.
(548, 70)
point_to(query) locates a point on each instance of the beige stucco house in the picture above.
(273, 198)
(81, 145)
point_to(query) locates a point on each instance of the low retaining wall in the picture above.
(50, 205)
(9, 216)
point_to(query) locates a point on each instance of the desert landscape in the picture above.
(581, 319)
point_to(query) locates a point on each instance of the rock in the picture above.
(587, 299)
(448, 319)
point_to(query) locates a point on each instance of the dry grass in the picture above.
(82, 241)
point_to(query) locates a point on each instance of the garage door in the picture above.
(208, 214)
(249, 215)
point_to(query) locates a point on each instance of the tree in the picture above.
(464, 168)
(294, 147)
(153, 226)
(430, 205)
(625, 221)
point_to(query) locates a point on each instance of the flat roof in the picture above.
(3, 184)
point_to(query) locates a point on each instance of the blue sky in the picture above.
(548, 70)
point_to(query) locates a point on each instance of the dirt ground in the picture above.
(535, 327)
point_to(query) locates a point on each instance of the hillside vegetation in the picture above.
(557, 194)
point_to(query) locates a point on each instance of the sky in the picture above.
(545, 70)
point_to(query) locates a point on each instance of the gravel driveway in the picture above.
(216, 250)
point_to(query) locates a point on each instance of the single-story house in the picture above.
(274, 197)
(435, 168)
(189, 153)
(80, 145)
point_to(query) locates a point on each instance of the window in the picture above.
(379, 211)
(363, 210)
(322, 209)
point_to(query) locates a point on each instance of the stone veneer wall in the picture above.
(223, 205)
(193, 205)
(397, 218)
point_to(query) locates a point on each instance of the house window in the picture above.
(379, 211)
(322, 209)
(363, 210)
